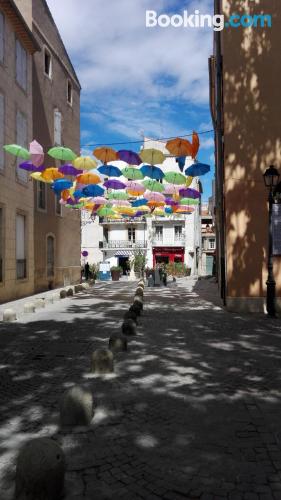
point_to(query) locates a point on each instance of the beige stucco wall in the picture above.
(252, 83)
(14, 196)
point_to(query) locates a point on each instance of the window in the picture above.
(50, 256)
(178, 232)
(41, 195)
(2, 137)
(2, 28)
(21, 139)
(69, 92)
(1, 245)
(159, 233)
(212, 244)
(57, 127)
(58, 206)
(47, 63)
(132, 234)
(21, 65)
(20, 246)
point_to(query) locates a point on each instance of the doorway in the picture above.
(124, 263)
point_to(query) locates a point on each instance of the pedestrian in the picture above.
(87, 271)
(164, 277)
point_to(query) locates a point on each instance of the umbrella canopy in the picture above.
(181, 162)
(65, 194)
(152, 156)
(189, 193)
(92, 190)
(195, 144)
(174, 178)
(37, 176)
(153, 196)
(105, 154)
(114, 184)
(198, 169)
(168, 210)
(88, 178)
(120, 203)
(118, 195)
(184, 209)
(110, 170)
(84, 163)
(154, 203)
(135, 187)
(179, 147)
(188, 181)
(105, 212)
(68, 169)
(36, 153)
(62, 153)
(172, 188)
(152, 172)
(99, 200)
(171, 202)
(152, 185)
(132, 173)
(126, 210)
(30, 167)
(159, 212)
(140, 202)
(51, 174)
(188, 201)
(129, 157)
(16, 150)
(61, 184)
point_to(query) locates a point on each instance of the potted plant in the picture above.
(115, 272)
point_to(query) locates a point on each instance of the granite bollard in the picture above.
(76, 407)
(102, 361)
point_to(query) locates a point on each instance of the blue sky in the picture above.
(135, 80)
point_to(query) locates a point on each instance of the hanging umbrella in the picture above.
(171, 202)
(143, 208)
(99, 200)
(68, 169)
(37, 176)
(118, 195)
(198, 169)
(16, 150)
(153, 185)
(36, 153)
(132, 173)
(184, 210)
(152, 156)
(51, 174)
(172, 189)
(154, 196)
(179, 147)
(88, 178)
(188, 181)
(180, 160)
(168, 210)
(105, 154)
(92, 190)
(152, 172)
(65, 194)
(129, 157)
(30, 167)
(195, 144)
(84, 163)
(126, 210)
(61, 184)
(153, 203)
(78, 193)
(174, 178)
(139, 202)
(120, 203)
(135, 187)
(188, 201)
(114, 184)
(159, 212)
(190, 193)
(62, 153)
(110, 170)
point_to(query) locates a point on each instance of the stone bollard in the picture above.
(29, 307)
(129, 327)
(85, 286)
(63, 294)
(39, 303)
(138, 300)
(9, 315)
(131, 315)
(56, 297)
(139, 291)
(117, 343)
(102, 361)
(40, 470)
(141, 283)
(78, 288)
(135, 308)
(69, 292)
(76, 407)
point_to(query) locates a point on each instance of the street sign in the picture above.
(276, 228)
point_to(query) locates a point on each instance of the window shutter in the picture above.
(21, 65)
(20, 237)
(22, 141)
(1, 37)
(2, 133)
(57, 127)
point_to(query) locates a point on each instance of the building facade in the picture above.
(208, 242)
(245, 78)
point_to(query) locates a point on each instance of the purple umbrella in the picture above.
(27, 165)
(114, 184)
(189, 193)
(171, 202)
(68, 169)
(129, 157)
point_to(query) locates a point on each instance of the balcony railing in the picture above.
(178, 241)
(124, 244)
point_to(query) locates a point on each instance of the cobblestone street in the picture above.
(193, 409)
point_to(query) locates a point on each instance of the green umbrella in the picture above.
(16, 150)
(152, 185)
(132, 173)
(118, 195)
(105, 212)
(175, 178)
(78, 205)
(61, 153)
(188, 201)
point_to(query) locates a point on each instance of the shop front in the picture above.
(167, 254)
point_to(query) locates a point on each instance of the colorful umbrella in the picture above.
(189, 193)
(174, 178)
(153, 203)
(152, 172)
(154, 196)
(171, 202)
(172, 189)
(135, 187)
(36, 153)
(110, 170)
(88, 178)
(120, 203)
(140, 202)
(195, 144)
(62, 153)
(37, 176)
(16, 150)
(51, 174)
(180, 160)
(126, 210)
(118, 195)
(168, 210)
(188, 181)
(84, 163)
(153, 185)
(68, 169)
(61, 184)
(114, 184)
(92, 190)
(105, 154)
(188, 201)
(179, 147)
(198, 169)
(129, 157)
(99, 200)
(30, 167)
(132, 173)
(152, 156)
(159, 212)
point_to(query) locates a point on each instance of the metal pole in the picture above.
(271, 284)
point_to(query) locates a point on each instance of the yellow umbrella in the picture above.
(152, 156)
(37, 176)
(51, 174)
(159, 211)
(84, 163)
(188, 181)
(88, 178)
(125, 210)
(143, 208)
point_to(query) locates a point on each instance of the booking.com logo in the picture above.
(198, 20)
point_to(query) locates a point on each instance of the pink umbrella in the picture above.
(153, 196)
(120, 203)
(172, 188)
(135, 186)
(99, 200)
(37, 153)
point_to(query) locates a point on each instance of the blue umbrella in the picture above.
(197, 169)
(152, 172)
(92, 190)
(139, 202)
(78, 194)
(110, 170)
(168, 210)
(181, 162)
(61, 184)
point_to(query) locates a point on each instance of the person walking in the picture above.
(87, 271)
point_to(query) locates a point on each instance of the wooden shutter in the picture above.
(2, 129)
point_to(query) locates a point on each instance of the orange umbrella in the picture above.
(51, 174)
(153, 203)
(179, 147)
(195, 144)
(88, 178)
(65, 194)
(105, 154)
(134, 192)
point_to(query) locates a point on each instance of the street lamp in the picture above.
(271, 178)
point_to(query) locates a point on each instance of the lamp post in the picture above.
(271, 178)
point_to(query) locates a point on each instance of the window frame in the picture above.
(212, 241)
(50, 235)
(21, 84)
(38, 185)
(19, 213)
(2, 245)
(46, 51)
(57, 112)
(69, 84)
(2, 61)
(2, 169)
(58, 204)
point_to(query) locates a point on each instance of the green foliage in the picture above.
(177, 269)
(94, 270)
(139, 262)
(116, 268)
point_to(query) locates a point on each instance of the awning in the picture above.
(124, 253)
